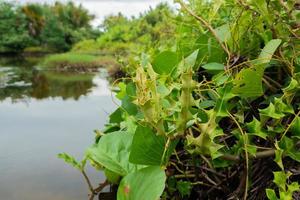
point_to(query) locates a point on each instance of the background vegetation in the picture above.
(43, 28)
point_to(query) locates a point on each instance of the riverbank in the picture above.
(75, 62)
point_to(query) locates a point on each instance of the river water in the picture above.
(43, 113)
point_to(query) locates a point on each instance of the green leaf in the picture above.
(271, 194)
(281, 107)
(222, 105)
(278, 156)
(131, 89)
(149, 148)
(112, 152)
(280, 179)
(204, 143)
(255, 128)
(213, 67)
(165, 62)
(293, 187)
(291, 88)
(223, 32)
(295, 127)
(268, 51)
(271, 111)
(188, 62)
(289, 147)
(111, 176)
(206, 104)
(146, 184)
(184, 188)
(220, 78)
(70, 160)
(128, 106)
(122, 91)
(209, 49)
(116, 116)
(248, 82)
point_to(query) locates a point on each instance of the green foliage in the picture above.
(248, 83)
(112, 152)
(204, 114)
(127, 38)
(285, 190)
(52, 27)
(14, 35)
(73, 60)
(147, 183)
(165, 62)
(149, 148)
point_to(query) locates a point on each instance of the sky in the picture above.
(102, 8)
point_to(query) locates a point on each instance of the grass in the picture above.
(76, 62)
(68, 77)
(37, 49)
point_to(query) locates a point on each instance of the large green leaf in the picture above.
(165, 62)
(295, 128)
(213, 67)
(116, 116)
(112, 152)
(209, 49)
(248, 82)
(144, 184)
(267, 52)
(129, 106)
(149, 148)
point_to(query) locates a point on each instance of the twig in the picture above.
(92, 195)
(101, 186)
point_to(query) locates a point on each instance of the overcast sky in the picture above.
(102, 8)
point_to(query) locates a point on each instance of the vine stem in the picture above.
(246, 154)
(258, 155)
(290, 125)
(89, 184)
(91, 188)
(207, 25)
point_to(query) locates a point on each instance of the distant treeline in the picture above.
(122, 36)
(43, 27)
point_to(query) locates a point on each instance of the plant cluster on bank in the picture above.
(121, 41)
(214, 116)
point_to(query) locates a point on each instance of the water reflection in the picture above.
(22, 81)
(43, 113)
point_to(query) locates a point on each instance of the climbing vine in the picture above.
(215, 116)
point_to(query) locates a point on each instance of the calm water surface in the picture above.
(43, 113)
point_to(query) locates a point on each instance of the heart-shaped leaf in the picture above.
(147, 184)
